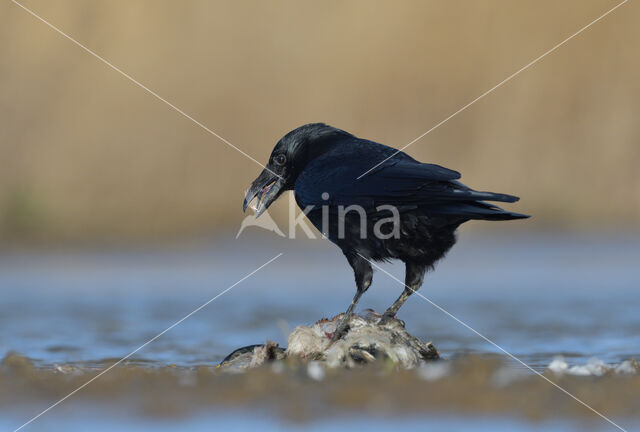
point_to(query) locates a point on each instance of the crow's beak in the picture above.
(266, 188)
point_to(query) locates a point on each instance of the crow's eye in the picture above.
(279, 159)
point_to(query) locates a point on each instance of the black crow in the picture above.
(401, 209)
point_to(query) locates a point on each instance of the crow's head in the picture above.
(289, 157)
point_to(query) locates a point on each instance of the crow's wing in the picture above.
(400, 181)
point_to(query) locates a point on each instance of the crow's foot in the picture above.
(386, 318)
(341, 330)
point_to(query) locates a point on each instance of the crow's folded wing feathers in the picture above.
(400, 181)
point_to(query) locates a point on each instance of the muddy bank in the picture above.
(299, 390)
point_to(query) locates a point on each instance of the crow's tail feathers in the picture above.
(478, 210)
(493, 196)
(502, 215)
(472, 204)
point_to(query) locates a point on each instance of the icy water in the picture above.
(537, 296)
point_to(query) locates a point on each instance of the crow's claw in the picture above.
(340, 332)
(386, 318)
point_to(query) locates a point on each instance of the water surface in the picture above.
(538, 296)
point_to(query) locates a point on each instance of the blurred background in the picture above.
(118, 216)
(89, 156)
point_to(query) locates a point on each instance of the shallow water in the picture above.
(537, 296)
(227, 421)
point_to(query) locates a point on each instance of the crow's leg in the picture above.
(414, 276)
(363, 274)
